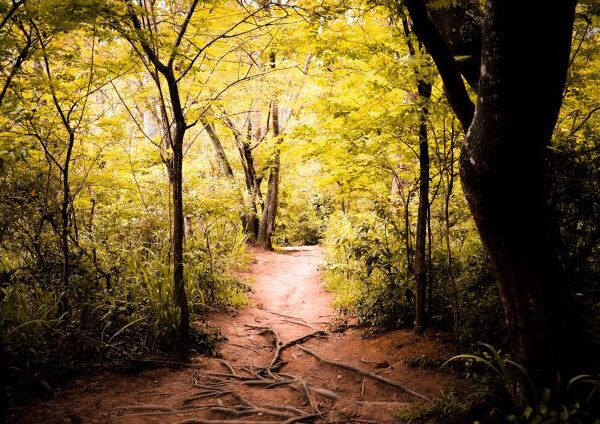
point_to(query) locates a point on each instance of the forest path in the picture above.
(248, 384)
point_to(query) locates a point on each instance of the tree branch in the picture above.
(436, 46)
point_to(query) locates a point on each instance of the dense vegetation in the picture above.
(144, 144)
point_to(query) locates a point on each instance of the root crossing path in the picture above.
(288, 359)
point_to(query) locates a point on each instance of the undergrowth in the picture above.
(119, 307)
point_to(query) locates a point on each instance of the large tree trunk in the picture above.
(503, 168)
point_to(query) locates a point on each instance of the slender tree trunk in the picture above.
(409, 262)
(182, 342)
(176, 136)
(421, 234)
(216, 141)
(178, 237)
(64, 212)
(267, 223)
(249, 219)
(424, 90)
(449, 265)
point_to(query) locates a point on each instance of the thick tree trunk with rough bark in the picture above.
(503, 168)
(460, 24)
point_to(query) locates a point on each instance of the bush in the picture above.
(365, 268)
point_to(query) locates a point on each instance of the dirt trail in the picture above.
(253, 384)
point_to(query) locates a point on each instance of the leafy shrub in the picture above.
(364, 269)
(303, 213)
(119, 304)
(448, 406)
(507, 389)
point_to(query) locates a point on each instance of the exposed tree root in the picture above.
(146, 407)
(299, 323)
(364, 373)
(206, 421)
(283, 315)
(248, 412)
(243, 347)
(279, 346)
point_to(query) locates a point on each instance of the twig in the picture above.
(253, 411)
(364, 373)
(362, 402)
(234, 329)
(309, 398)
(235, 376)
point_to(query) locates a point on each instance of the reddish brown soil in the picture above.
(287, 283)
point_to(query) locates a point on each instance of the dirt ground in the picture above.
(251, 383)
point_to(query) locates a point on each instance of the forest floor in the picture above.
(251, 382)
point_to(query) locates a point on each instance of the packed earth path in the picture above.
(288, 359)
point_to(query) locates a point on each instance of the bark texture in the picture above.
(269, 213)
(209, 127)
(503, 168)
(524, 62)
(421, 235)
(267, 223)
(460, 25)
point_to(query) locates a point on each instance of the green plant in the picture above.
(365, 268)
(448, 405)
(509, 385)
